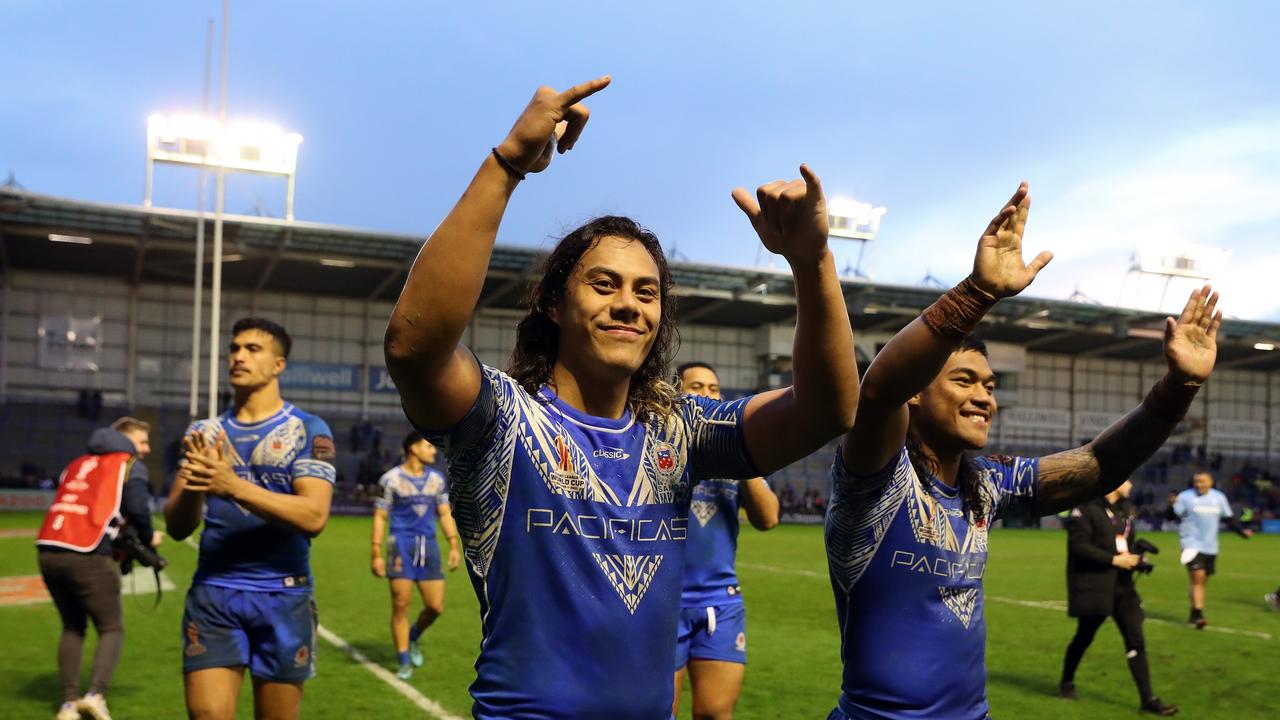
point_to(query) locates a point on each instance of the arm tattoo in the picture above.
(1075, 476)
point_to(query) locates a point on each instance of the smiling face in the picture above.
(611, 309)
(700, 381)
(954, 412)
(1203, 482)
(254, 359)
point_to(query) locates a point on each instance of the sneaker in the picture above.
(415, 653)
(68, 711)
(95, 705)
(1273, 600)
(1156, 706)
(1067, 691)
(405, 672)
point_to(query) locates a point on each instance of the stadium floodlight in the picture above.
(333, 262)
(848, 219)
(1264, 346)
(72, 239)
(243, 146)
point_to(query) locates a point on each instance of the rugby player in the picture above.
(570, 476)
(261, 475)
(1199, 510)
(413, 495)
(907, 527)
(711, 644)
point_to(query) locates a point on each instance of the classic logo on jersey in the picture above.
(630, 575)
(609, 453)
(194, 647)
(960, 601)
(703, 510)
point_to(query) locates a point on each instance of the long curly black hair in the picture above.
(538, 337)
(974, 496)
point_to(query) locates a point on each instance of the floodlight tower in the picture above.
(849, 219)
(1193, 262)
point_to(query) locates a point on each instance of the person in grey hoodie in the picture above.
(75, 554)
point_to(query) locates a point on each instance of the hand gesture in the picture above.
(1191, 341)
(379, 567)
(790, 217)
(998, 267)
(206, 469)
(552, 119)
(455, 558)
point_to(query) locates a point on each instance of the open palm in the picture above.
(1191, 341)
(998, 267)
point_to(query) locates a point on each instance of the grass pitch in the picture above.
(793, 647)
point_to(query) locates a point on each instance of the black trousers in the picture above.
(1128, 616)
(85, 586)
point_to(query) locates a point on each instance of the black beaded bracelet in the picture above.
(506, 165)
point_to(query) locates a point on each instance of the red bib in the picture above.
(88, 499)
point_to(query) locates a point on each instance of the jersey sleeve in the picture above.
(1180, 506)
(442, 497)
(718, 448)
(1015, 480)
(468, 440)
(318, 452)
(386, 484)
(1225, 505)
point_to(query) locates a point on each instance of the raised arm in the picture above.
(782, 426)
(184, 509)
(1190, 350)
(438, 379)
(915, 356)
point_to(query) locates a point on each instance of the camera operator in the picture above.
(1100, 583)
(96, 492)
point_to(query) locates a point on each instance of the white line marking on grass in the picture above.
(431, 706)
(1055, 605)
(410, 693)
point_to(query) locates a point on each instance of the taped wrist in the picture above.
(1169, 399)
(955, 315)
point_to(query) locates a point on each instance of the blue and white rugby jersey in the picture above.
(710, 577)
(410, 501)
(1201, 515)
(239, 549)
(906, 566)
(574, 528)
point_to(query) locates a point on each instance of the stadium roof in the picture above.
(156, 245)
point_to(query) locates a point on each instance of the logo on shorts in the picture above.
(664, 461)
(741, 642)
(397, 565)
(194, 647)
(301, 657)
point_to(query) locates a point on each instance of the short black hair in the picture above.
(264, 325)
(973, 343)
(686, 367)
(410, 440)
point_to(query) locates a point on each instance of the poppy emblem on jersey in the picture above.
(664, 461)
(322, 448)
(194, 647)
(741, 642)
(301, 657)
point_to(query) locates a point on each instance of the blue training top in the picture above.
(906, 566)
(709, 574)
(1201, 515)
(238, 549)
(410, 501)
(574, 528)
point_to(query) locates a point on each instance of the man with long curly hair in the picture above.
(907, 530)
(571, 474)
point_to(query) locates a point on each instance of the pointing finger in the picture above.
(578, 93)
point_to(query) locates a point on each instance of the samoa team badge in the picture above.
(664, 461)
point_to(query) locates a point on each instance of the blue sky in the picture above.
(1138, 125)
